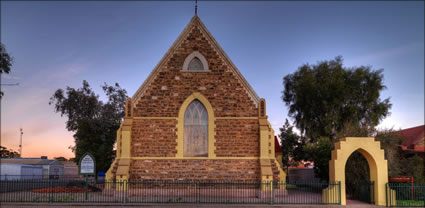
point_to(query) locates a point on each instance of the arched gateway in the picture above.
(374, 155)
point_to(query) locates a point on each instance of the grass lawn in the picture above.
(410, 203)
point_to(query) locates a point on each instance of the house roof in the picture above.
(195, 22)
(413, 139)
(29, 161)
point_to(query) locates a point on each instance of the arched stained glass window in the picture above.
(196, 130)
(195, 65)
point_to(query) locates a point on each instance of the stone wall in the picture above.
(163, 97)
(237, 138)
(171, 86)
(157, 138)
(154, 138)
(205, 170)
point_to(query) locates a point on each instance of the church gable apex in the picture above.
(195, 25)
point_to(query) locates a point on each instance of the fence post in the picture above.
(198, 190)
(271, 192)
(386, 194)
(86, 188)
(339, 192)
(50, 190)
(125, 191)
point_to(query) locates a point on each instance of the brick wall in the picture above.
(206, 170)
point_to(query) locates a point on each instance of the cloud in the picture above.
(10, 77)
(388, 53)
(65, 73)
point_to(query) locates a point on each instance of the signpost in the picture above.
(86, 167)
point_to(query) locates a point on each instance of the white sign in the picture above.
(87, 165)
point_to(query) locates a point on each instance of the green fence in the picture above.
(203, 192)
(405, 195)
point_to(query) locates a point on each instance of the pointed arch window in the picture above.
(195, 130)
(195, 65)
(195, 62)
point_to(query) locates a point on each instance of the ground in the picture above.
(59, 205)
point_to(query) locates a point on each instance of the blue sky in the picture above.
(57, 44)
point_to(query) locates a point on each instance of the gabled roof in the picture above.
(195, 21)
(413, 139)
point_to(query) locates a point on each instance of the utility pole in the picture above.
(20, 143)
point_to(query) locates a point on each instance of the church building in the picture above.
(195, 118)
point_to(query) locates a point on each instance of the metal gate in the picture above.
(363, 191)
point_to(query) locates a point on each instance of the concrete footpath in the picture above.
(68, 205)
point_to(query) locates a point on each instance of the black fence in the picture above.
(96, 191)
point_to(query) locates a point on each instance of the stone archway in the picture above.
(374, 155)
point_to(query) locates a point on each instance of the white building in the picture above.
(10, 171)
(50, 168)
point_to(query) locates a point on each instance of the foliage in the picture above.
(390, 143)
(356, 172)
(415, 168)
(291, 145)
(8, 153)
(94, 122)
(60, 158)
(323, 98)
(5, 63)
(319, 152)
(328, 101)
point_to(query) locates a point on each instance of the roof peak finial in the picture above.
(196, 7)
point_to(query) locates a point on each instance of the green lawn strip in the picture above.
(410, 203)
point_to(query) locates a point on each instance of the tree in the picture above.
(5, 63)
(8, 153)
(390, 142)
(60, 158)
(323, 98)
(94, 122)
(291, 145)
(328, 101)
(319, 152)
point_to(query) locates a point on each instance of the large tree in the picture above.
(325, 97)
(5, 63)
(94, 122)
(328, 101)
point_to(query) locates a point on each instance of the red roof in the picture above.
(413, 139)
(277, 148)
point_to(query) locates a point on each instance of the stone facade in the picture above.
(172, 86)
(149, 139)
(154, 138)
(199, 170)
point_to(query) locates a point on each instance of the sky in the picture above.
(56, 44)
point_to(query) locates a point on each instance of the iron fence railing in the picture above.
(405, 195)
(96, 191)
